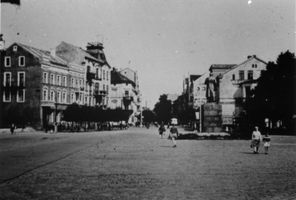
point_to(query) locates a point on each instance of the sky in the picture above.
(163, 40)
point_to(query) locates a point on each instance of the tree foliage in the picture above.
(77, 113)
(148, 116)
(163, 109)
(274, 96)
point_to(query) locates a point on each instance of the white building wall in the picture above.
(199, 91)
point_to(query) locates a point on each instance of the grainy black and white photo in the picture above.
(148, 99)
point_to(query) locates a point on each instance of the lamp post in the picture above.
(55, 113)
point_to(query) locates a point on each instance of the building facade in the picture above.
(236, 85)
(124, 95)
(95, 85)
(35, 86)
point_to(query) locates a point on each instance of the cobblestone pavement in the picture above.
(137, 164)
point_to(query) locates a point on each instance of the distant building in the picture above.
(236, 85)
(188, 88)
(199, 91)
(95, 85)
(123, 94)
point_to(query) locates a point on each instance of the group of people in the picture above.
(173, 134)
(257, 139)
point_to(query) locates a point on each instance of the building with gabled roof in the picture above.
(96, 69)
(236, 85)
(35, 86)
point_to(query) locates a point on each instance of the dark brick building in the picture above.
(34, 85)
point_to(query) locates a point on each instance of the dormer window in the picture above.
(15, 48)
(21, 61)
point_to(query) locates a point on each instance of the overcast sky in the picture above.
(164, 40)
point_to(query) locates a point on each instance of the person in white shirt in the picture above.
(256, 138)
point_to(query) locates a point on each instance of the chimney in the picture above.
(95, 49)
(249, 57)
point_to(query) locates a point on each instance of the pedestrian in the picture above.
(256, 138)
(266, 143)
(161, 130)
(12, 128)
(173, 135)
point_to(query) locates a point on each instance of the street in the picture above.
(137, 164)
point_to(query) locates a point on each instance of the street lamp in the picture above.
(55, 113)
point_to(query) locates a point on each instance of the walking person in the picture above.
(266, 143)
(256, 138)
(173, 135)
(161, 130)
(12, 128)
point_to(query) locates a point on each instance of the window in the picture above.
(64, 81)
(45, 77)
(51, 95)
(72, 98)
(72, 82)
(20, 96)
(80, 83)
(58, 100)
(104, 87)
(76, 83)
(52, 79)
(64, 97)
(7, 61)
(7, 79)
(45, 94)
(107, 75)
(233, 77)
(250, 75)
(21, 61)
(254, 65)
(14, 48)
(126, 93)
(6, 96)
(21, 78)
(97, 73)
(241, 75)
(103, 74)
(59, 81)
(107, 88)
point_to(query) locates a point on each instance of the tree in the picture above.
(274, 96)
(163, 109)
(148, 116)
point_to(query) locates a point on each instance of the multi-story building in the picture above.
(35, 86)
(188, 89)
(95, 85)
(199, 91)
(123, 94)
(236, 85)
(133, 75)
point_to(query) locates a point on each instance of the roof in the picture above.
(249, 58)
(222, 66)
(78, 54)
(42, 55)
(193, 77)
(118, 78)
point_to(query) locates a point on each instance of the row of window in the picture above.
(100, 73)
(20, 96)
(241, 75)
(7, 77)
(54, 79)
(61, 96)
(21, 61)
